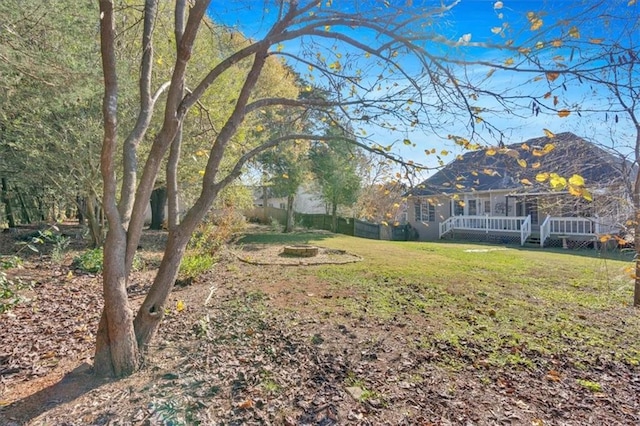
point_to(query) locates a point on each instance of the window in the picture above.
(458, 208)
(473, 207)
(425, 211)
(487, 207)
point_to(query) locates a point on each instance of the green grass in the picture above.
(486, 304)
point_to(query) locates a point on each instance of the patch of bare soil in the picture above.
(255, 345)
(273, 254)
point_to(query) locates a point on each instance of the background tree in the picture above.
(334, 166)
(287, 169)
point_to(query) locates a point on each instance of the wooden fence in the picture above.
(354, 227)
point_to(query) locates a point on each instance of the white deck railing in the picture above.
(525, 230)
(585, 226)
(545, 230)
(484, 223)
(576, 226)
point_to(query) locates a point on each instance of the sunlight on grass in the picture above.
(499, 307)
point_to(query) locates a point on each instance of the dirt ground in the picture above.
(254, 346)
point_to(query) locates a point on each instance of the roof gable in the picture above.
(506, 170)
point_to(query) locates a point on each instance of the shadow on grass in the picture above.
(608, 253)
(282, 238)
(73, 385)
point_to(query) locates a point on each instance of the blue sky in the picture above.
(477, 18)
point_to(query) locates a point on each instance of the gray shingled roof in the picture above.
(480, 172)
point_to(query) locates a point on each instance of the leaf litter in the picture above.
(259, 353)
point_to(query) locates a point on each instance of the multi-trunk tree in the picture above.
(375, 61)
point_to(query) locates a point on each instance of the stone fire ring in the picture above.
(300, 251)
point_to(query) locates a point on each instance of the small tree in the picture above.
(334, 166)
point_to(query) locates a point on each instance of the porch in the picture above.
(521, 229)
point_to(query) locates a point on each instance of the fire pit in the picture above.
(300, 251)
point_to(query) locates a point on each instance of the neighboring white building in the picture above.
(307, 200)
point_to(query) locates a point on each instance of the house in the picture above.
(307, 200)
(494, 195)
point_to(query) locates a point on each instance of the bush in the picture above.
(9, 262)
(90, 261)
(216, 230)
(195, 264)
(9, 292)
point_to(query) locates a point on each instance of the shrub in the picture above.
(9, 292)
(216, 230)
(89, 261)
(195, 264)
(8, 262)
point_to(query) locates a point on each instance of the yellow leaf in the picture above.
(489, 172)
(459, 186)
(536, 165)
(548, 148)
(522, 163)
(327, 28)
(491, 151)
(575, 191)
(474, 173)
(573, 32)
(201, 172)
(259, 128)
(383, 223)
(279, 47)
(596, 40)
(69, 275)
(576, 180)
(180, 306)
(551, 76)
(557, 182)
(285, 176)
(587, 195)
(444, 152)
(537, 153)
(407, 142)
(542, 177)
(548, 133)
(508, 62)
(539, 45)
(526, 182)
(556, 43)
(631, 2)
(564, 113)
(525, 147)
(496, 30)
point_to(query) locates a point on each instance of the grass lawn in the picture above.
(485, 304)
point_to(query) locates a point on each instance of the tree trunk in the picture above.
(24, 211)
(158, 203)
(334, 217)
(290, 214)
(636, 207)
(151, 312)
(265, 200)
(116, 347)
(6, 200)
(81, 206)
(95, 230)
